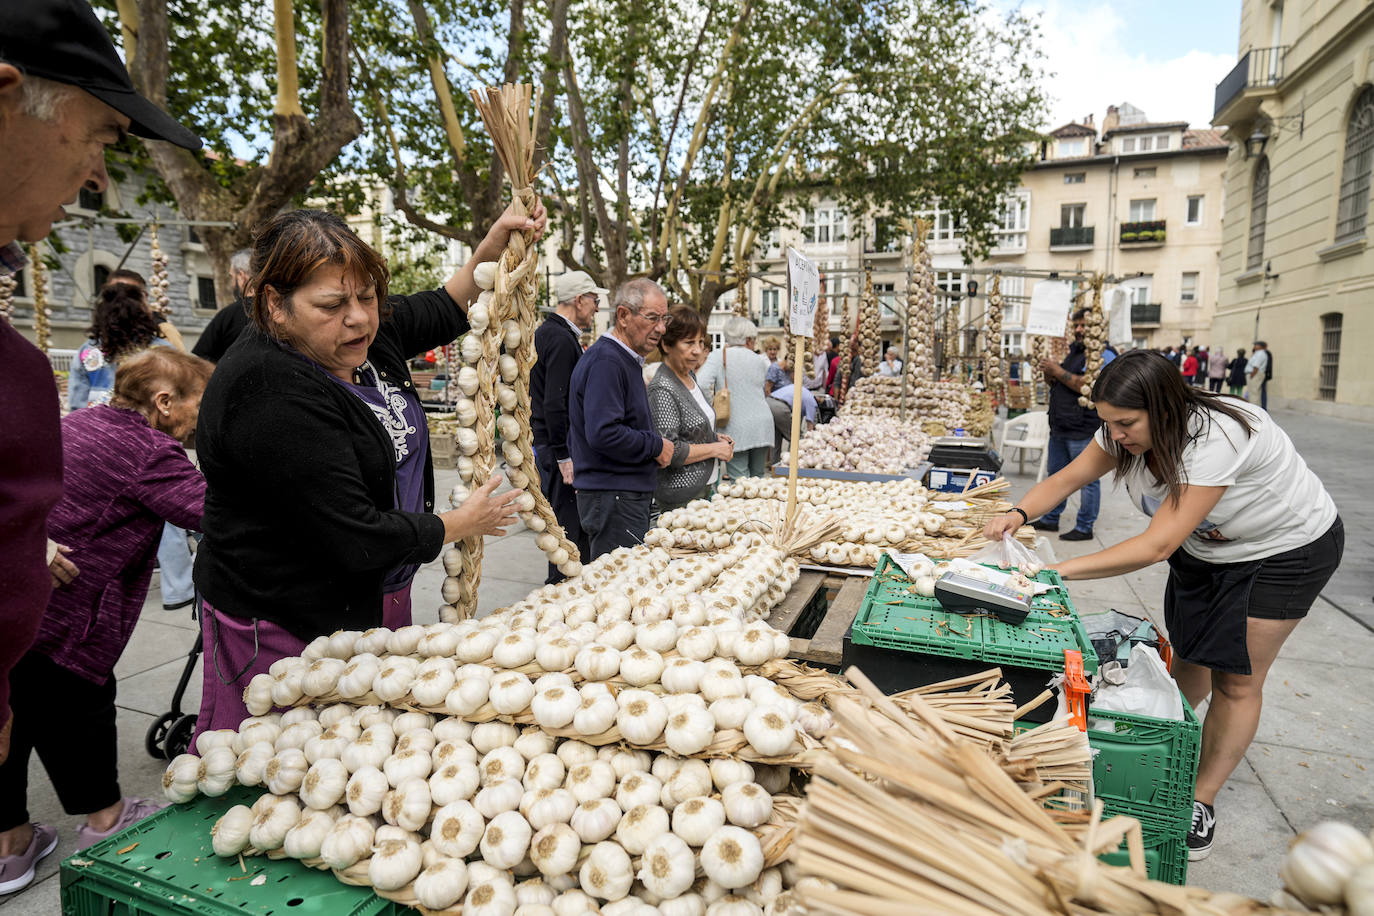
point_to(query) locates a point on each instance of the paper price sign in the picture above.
(804, 289)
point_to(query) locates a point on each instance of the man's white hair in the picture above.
(43, 99)
(738, 330)
(632, 293)
(241, 260)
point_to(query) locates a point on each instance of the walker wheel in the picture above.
(179, 735)
(155, 741)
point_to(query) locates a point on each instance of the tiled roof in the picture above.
(1073, 130)
(1147, 125)
(1206, 137)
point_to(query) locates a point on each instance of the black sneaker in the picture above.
(1042, 525)
(1202, 832)
(1076, 535)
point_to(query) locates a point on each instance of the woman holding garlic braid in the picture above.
(320, 489)
(1250, 535)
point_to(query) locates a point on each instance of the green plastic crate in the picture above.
(1166, 850)
(893, 616)
(1146, 767)
(172, 871)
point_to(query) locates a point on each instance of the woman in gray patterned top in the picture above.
(743, 371)
(683, 415)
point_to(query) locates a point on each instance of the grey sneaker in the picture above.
(135, 810)
(16, 872)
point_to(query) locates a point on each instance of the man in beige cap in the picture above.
(558, 346)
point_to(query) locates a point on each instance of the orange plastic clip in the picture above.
(1166, 653)
(1076, 688)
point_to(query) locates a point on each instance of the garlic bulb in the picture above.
(658, 636)
(619, 635)
(697, 819)
(251, 764)
(554, 850)
(357, 676)
(306, 836)
(668, 866)
(732, 857)
(433, 680)
(720, 682)
(640, 825)
(1359, 891)
(347, 841)
(641, 667)
(690, 730)
(408, 805)
(517, 648)
(596, 711)
(642, 716)
(442, 884)
(499, 797)
(268, 830)
(506, 839)
(638, 789)
(607, 873)
(734, 905)
(556, 654)
(452, 752)
(256, 730)
(691, 779)
(769, 731)
(405, 640)
(366, 789)
(746, 804)
(730, 712)
(1322, 859)
(592, 780)
(217, 769)
(229, 836)
(597, 662)
(493, 897)
(296, 734)
(285, 771)
(574, 752)
(490, 735)
(394, 864)
(596, 819)
(418, 739)
(454, 782)
(330, 743)
(467, 695)
(545, 772)
(322, 676)
(219, 737)
(542, 807)
(452, 729)
(726, 771)
(500, 764)
(324, 784)
(510, 693)
(394, 678)
(457, 829)
(257, 696)
(682, 905)
(411, 763)
(683, 675)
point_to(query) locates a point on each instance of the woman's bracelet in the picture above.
(1025, 519)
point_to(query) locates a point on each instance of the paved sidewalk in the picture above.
(1312, 759)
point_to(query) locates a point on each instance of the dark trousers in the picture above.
(563, 500)
(613, 518)
(1214, 384)
(782, 427)
(1264, 394)
(1062, 452)
(70, 722)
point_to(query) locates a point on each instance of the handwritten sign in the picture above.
(804, 288)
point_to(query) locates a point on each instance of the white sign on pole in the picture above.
(804, 289)
(1049, 308)
(1118, 306)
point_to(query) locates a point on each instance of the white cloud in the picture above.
(1088, 50)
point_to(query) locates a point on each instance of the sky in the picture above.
(1163, 56)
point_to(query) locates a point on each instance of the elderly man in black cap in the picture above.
(558, 345)
(64, 97)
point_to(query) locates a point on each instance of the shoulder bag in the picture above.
(720, 403)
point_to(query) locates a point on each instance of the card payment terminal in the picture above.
(964, 594)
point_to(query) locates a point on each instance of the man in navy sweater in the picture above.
(616, 453)
(558, 345)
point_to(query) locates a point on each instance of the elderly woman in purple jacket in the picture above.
(110, 517)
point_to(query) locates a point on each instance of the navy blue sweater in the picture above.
(610, 430)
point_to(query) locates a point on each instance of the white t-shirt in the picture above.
(710, 412)
(1258, 362)
(1272, 503)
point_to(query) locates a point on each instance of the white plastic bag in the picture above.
(1149, 690)
(1010, 554)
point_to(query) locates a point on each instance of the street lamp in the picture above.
(1254, 145)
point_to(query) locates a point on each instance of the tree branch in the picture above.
(438, 79)
(288, 103)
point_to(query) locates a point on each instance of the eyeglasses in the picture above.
(661, 318)
(596, 300)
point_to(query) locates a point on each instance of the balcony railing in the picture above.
(1143, 232)
(1257, 67)
(1143, 313)
(1071, 236)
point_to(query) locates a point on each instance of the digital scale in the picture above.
(964, 594)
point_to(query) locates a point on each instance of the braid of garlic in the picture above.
(992, 370)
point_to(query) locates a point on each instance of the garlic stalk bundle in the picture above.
(442, 884)
(639, 826)
(306, 837)
(325, 783)
(229, 836)
(668, 866)
(457, 829)
(506, 839)
(607, 873)
(349, 840)
(732, 857)
(268, 830)
(394, 864)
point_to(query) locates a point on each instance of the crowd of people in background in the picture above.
(1208, 367)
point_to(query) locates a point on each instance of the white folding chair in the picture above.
(1032, 433)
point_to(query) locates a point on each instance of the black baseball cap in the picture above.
(63, 41)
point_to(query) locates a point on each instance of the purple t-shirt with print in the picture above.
(403, 418)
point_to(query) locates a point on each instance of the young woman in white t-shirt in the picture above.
(1250, 534)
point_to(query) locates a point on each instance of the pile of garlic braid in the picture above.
(689, 628)
(870, 317)
(992, 342)
(157, 280)
(430, 811)
(920, 307)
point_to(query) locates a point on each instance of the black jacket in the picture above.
(1067, 419)
(558, 349)
(300, 525)
(219, 335)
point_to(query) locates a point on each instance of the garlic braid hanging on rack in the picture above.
(992, 342)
